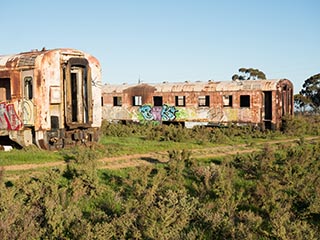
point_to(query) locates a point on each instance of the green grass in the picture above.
(136, 145)
(119, 146)
(28, 156)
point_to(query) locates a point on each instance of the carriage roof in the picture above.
(262, 85)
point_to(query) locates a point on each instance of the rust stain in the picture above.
(29, 76)
(257, 111)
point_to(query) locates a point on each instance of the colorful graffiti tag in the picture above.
(9, 119)
(158, 113)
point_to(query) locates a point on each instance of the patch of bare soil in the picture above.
(21, 167)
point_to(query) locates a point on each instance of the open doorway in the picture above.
(267, 109)
(79, 95)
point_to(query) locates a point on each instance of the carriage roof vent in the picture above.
(27, 60)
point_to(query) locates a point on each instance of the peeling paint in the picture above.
(56, 93)
(258, 102)
(9, 120)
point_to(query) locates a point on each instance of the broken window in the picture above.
(181, 101)
(227, 100)
(204, 101)
(157, 101)
(28, 92)
(245, 101)
(5, 90)
(137, 100)
(117, 101)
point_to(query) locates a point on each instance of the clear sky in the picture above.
(172, 40)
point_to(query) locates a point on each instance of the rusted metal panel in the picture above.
(43, 73)
(215, 111)
(262, 85)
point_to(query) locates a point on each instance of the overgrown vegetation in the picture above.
(273, 194)
(177, 133)
(270, 195)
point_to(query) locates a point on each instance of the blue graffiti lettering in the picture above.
(168, 113)
(146, 112)
(158, 113)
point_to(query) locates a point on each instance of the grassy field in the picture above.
(123, 140)
(112, 147)
(166, 183)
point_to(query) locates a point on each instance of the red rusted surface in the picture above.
(269, 101)
(34, 83)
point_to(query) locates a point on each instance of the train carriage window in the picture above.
(117, 101)
(227, 100)
(157, 101)
(3, 94)
(5, 89)
(137, 100)
(245, 101)
(180, 101)
(204, 101)
(28, 93)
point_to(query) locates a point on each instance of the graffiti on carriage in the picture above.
(9, 119)
(158, 113)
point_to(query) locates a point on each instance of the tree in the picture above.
(249, 74)
(311, 91)
(301, 102)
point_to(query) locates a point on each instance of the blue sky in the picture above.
(172, 40)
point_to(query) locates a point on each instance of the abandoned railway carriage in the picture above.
(51, 98)
(262, 103)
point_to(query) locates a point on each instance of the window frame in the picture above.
(137, 100)
(28, 87)
(245, 101)
(204, 101)
(227, 100)
(180, 101)
(117, 101)
(157, 101)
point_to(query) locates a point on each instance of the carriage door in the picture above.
(286, 100)
(267, 109)
(78, 94)
(27, 103)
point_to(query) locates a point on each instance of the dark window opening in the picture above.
(54, 122)
(267, 105)
(227, 100)
(137, 100)
(5, 89)
(74, 91)
(157, 101)
(204, 101)
(117, 101)
(180, 101)
(28, 92)
(245, 101)
(101, 101)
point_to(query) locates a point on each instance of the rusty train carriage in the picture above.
(262, 103)
(51, 98)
